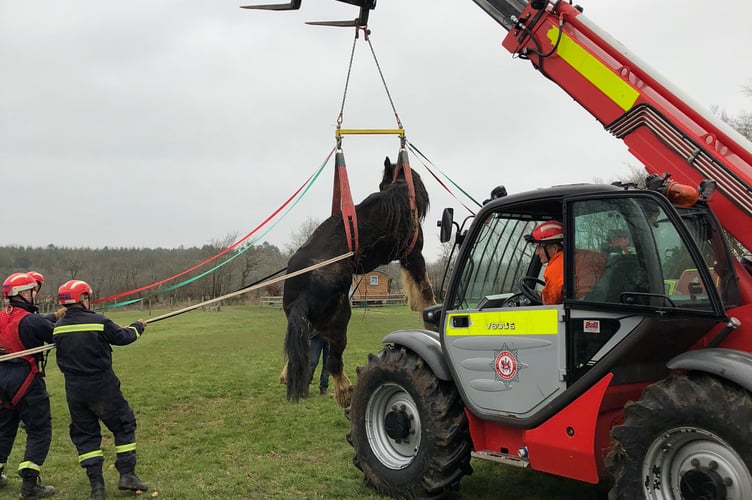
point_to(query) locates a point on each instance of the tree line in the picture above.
(111, 271)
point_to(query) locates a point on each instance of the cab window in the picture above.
(636, 256)
(500, 256)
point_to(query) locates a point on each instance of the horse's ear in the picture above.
(388, 169)
(388, 173)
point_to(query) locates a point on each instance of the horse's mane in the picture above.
(400, 184)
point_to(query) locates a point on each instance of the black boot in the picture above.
(30, 489)
(131, 482)
(3, 478)
(97, 488)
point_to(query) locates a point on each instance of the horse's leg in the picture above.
(415, 280)
(337, 337)
(283, 375)
(297, 344)
(335, 366)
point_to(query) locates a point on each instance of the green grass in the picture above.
(213, 420)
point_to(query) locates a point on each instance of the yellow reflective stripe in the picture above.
(135, 330)
(125, 448)
(594, 71)
(29, 465)
(84, 327)
(538, 322)
(91, 454)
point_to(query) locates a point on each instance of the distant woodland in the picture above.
(112, 271)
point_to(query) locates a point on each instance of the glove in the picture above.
(60, 312)
(142, 323)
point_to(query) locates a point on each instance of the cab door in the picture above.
(508, 357)
(651, 297)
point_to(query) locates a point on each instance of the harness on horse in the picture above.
(342, 197)
(403, 164)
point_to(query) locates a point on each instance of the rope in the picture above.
(294, 198)
(388, 95)
(347, 81)
(340, 117)
(422, 157)
(47, 347)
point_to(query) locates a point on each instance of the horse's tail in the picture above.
(297, 349)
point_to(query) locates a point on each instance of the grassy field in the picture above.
(213, 421)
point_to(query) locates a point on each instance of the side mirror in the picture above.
(446, 223)
(432, 316)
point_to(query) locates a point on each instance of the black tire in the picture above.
(408, 428)
(689, 436)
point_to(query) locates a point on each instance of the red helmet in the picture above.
(71, 291)
(17, 283)
(548, 232)
(37, 276)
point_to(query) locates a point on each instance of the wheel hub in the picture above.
(703, 483)
(393, 426)
(397, 424)
(694, 464)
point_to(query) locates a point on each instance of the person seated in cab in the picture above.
(548, 239)
(617, 242)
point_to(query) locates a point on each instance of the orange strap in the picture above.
(403, 163)
(342, 202)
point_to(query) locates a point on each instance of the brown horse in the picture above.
(319, 301)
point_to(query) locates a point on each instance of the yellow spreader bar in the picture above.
(370, 131)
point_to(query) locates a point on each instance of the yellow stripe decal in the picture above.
(499, 323)
(594, 71)
(83, 327)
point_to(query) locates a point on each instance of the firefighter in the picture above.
(22, 388)
(83, 339)
(548, 239)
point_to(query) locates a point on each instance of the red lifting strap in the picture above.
(403, 163)
(342, 202)
(25, 385)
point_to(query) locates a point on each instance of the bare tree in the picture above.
(299, 236)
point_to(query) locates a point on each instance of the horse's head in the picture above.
(389, 180)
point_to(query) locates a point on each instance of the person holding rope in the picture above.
(83, 339)
(22, 388)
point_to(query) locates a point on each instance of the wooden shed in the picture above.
(371, 288)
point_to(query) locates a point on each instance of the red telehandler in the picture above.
(643, 374)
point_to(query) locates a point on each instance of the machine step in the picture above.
(503, 458)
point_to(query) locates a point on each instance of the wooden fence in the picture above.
(366, 301)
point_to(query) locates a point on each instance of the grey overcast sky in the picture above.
(161, 123)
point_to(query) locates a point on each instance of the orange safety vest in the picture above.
(553, 291)
(10, 342)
